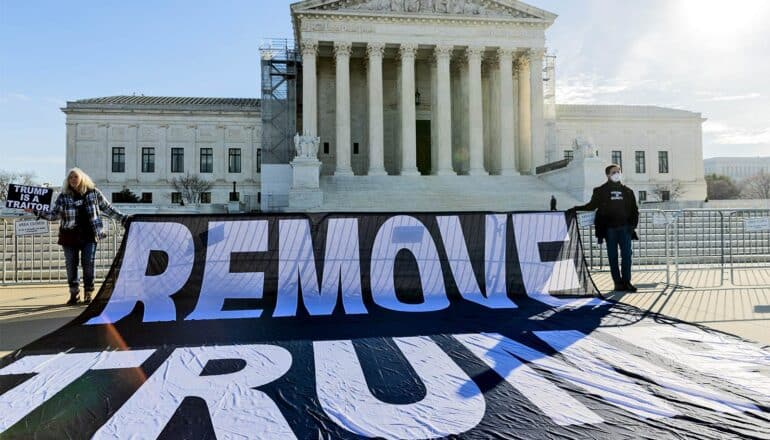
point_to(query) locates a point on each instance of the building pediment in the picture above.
(500, 9)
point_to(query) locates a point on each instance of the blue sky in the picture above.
(707, 56)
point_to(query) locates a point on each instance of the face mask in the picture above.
(616, 177)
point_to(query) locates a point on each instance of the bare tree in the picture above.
(675, 191)
(756, 187)
(721, 187)
(9, 177)
(191, 187)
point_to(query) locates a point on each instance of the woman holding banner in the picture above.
(79, 207)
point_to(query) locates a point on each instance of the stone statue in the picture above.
(306, 146)
(584, 148)
(455, 7)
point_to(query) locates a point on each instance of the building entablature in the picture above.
(456, 22)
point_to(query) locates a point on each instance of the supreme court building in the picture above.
(417, 104)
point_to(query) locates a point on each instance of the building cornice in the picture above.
(149, 110)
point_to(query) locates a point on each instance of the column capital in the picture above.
(342, 48)
(443, 51)
(309, 47)
(375, 50)
(506, 52)
(474, 52)
(522, 62)
(535, 54)
(407, 50)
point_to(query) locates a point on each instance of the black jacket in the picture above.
(607, 215)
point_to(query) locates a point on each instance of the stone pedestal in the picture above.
(582, 175)
(305, 192)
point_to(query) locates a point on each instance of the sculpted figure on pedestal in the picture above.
(306, 146)
(584, 148)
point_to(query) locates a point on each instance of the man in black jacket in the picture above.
(617, 217)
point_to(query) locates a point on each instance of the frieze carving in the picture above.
(362, 25)
(327, 26)
(448, 7)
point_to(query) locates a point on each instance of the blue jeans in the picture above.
(73, 255)
(619, 237)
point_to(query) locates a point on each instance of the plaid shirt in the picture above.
(65, 209)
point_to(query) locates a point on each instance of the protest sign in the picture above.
(28, 197)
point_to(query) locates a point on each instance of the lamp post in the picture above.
(234, 195)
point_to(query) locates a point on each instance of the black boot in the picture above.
(87, 296)
(73, 297)
(619, 287)
(629, 287)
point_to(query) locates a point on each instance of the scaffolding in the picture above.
(281, 69)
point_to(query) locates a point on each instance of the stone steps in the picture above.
(439, 193)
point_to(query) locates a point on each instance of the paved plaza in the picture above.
(29, 312)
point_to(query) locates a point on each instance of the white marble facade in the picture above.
(475, 65)
(666, 142)
(396, 89)
(95, 127)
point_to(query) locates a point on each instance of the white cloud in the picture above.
(714, 127)
(744, 137)
(14, 97)
(733, 97)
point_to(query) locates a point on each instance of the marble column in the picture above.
(507, 132)
(537, 118)
(72, 139)
(135, 153)
(105, 128)
(475, 112)
(220, 155)
(161, 154)
(525, 120)
(342, 57)
(376, 120)
(408, 112)
(309, 88)
(443, 112)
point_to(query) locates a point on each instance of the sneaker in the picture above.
(630, 287)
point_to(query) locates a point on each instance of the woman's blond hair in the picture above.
(85, 185)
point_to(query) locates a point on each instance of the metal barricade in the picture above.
(650, 252)
(699, 244)
(748, 232)
(37, 259)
